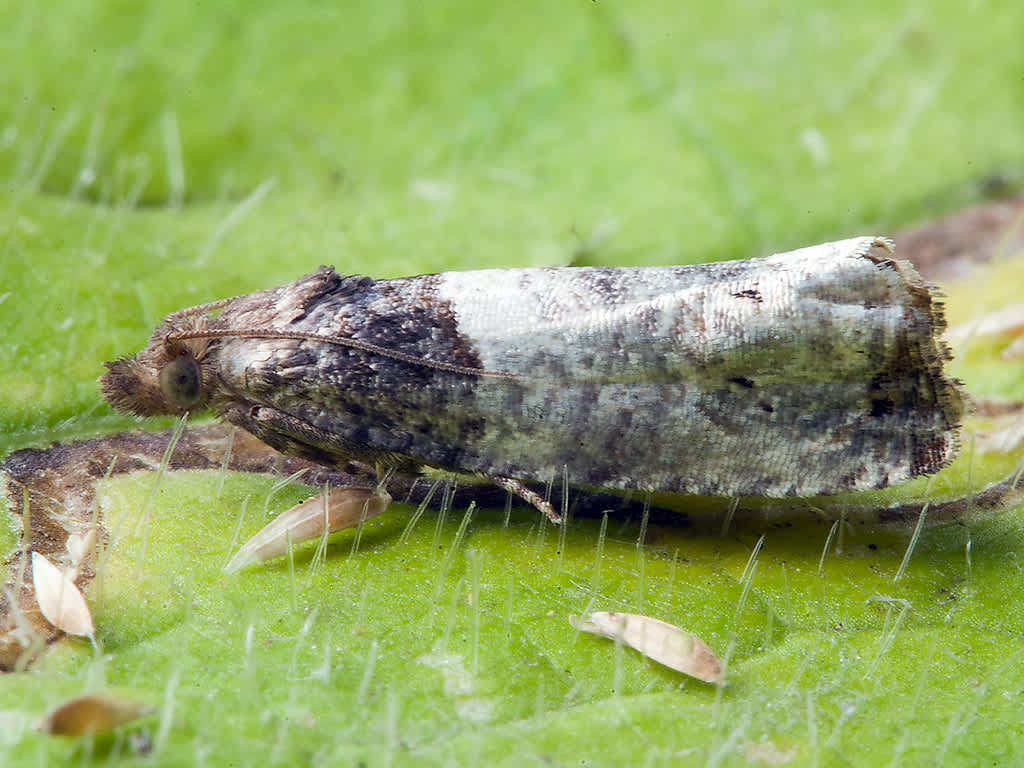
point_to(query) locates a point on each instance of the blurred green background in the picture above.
(161, 155)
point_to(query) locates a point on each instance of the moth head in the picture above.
(168, 377)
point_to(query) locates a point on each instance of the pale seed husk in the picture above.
(346, 507)
(665, 643)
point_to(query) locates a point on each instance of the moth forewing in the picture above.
(804, 373)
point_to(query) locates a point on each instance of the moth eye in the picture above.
(180, 381)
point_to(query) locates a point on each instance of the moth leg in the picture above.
(531, 498)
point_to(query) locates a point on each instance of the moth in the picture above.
(804, 373)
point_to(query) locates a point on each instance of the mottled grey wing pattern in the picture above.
(803, 373)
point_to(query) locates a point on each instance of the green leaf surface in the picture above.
(157, 157)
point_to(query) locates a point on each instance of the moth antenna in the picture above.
(199, 309)
(272, 333)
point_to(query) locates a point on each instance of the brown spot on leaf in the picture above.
(950, 247)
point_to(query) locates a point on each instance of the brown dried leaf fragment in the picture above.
(59, 599)
(953, 246)
(346, 507)
(93, 713)
(663, 642)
